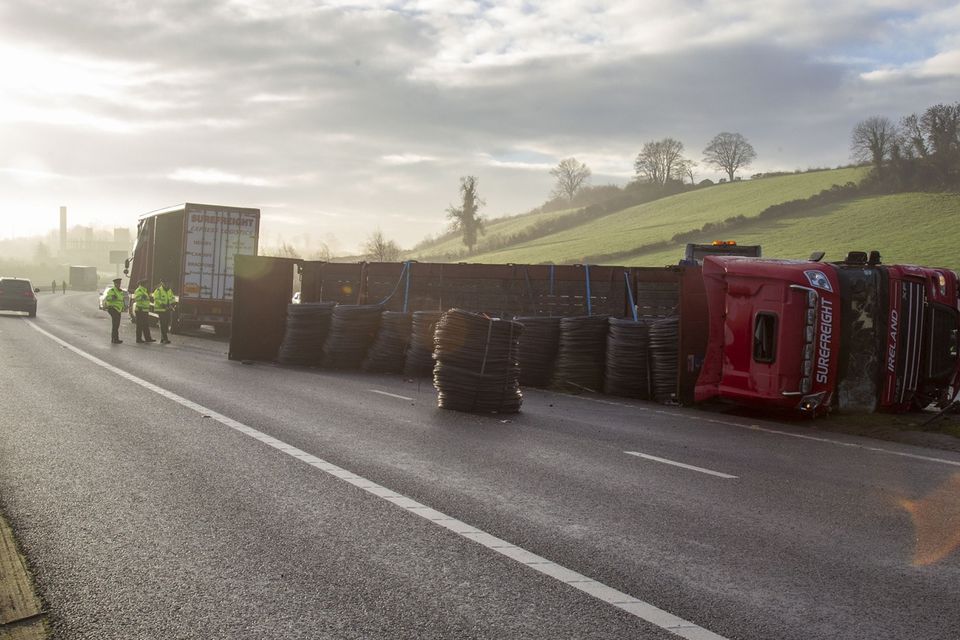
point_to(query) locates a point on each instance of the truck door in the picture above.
(756, 352)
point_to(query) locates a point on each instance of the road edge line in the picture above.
(634, 606)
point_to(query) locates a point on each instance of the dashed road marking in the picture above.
(392, 395)
(779, 432)
(682, 465)
(634, 606)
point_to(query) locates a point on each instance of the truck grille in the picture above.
(911, 332)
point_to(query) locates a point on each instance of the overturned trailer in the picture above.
(264, 286)
(791, 335)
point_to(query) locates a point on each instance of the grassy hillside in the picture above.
(614, 237)
(496, 228)
(918, 228)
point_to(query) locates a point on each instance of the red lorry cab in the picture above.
(812, 336)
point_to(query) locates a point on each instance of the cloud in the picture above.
(216, 176)
(375, 109)
(943, 65)
(405, 159)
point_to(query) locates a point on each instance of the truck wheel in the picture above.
(175, 326)
(222, 330)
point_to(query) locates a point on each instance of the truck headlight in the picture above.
(810, 403)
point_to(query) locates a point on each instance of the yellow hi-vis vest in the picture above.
(162, 299)
(142, 299)
(114, 299)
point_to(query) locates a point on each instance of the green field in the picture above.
(620, 233)
(496, 228)
(915, 228)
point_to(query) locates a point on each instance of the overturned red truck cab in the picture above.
(814, 336)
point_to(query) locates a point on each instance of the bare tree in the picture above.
(466, 218)
(378, 249)
(872, 140)
(283, 250)
(657, 161)
(941, 123)
(933, 138)
(914, 138)
(571, 175)
(323, 253)
(685, 170)
(729, 152)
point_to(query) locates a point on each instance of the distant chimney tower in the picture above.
(63, 230)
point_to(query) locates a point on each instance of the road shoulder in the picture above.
(21, 613)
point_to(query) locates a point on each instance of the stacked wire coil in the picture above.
(581, 357)
(419, 361)
(352, 331)
(627, 371)
(538, 349)
(664, 352)
(387, 353)
(477, 369)
(305, 333)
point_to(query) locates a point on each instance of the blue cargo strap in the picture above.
(526, 276)
(586, 269)
(406, 287)
(405, 270)
(633, 307)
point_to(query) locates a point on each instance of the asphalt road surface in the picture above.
(166, 492)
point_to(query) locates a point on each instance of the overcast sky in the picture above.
(335, 118)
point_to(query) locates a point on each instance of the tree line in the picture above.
(659, 163)
(919, 152)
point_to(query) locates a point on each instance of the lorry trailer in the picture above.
(788, 335)
(192, 247)
(83, 278)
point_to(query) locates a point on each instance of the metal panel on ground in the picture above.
(262, 290)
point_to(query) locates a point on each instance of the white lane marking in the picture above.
(646, 456)
(392, 395)
(756, 427)
(634, 606)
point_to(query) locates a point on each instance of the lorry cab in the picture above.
(810, 336)
(920, 364)
(772, 332)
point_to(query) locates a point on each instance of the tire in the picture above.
(176, 327)
(222, 330)
(33, 314)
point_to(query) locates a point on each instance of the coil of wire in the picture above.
(628, 366)
(581, 356)
(387, 352)
(477, 368)
(538, 349)
(352, 331)
(305, 333)
(419, 362)
(664, 351)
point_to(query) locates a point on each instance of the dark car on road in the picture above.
(17, 294)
